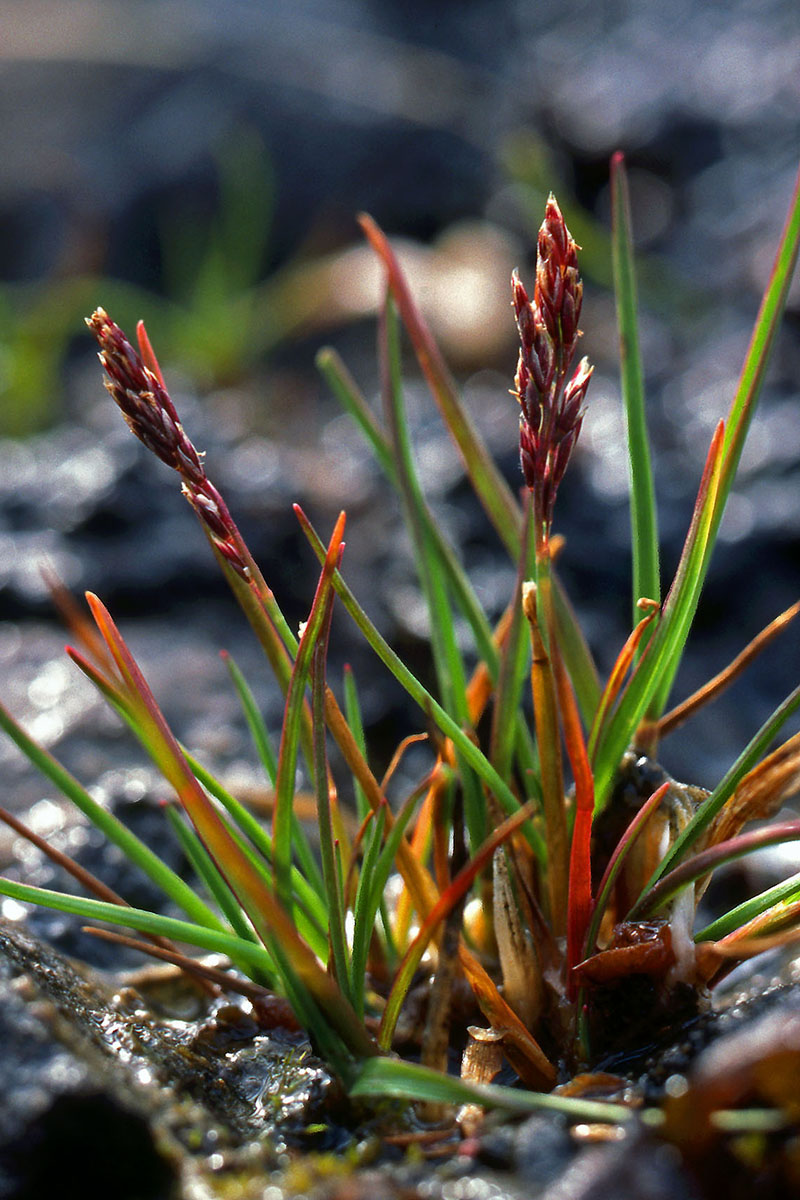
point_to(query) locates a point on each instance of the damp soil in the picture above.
(129, 1084)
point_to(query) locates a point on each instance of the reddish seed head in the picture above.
(551, 408)
(150, 414)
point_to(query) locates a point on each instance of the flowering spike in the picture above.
(138, 391)
(551, 409)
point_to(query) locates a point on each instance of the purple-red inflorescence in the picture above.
(551, 409)
(150, 414)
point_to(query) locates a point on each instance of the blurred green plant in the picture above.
(217, 314)
(549, 902)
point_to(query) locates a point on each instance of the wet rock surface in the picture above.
(216, 1107)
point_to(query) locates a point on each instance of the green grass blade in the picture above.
(327, 846)
(758, 353)
(284, 822)
(666, 644)
(783, 893)
(308, 893)
(216, 941)
(206, 870)
(748, 391)
(576, 651)
(410, 1081)
(490, 487)
(379, 861)
(352, 709)
(478, 761)
(255, 722)
(753, 751)
(450, 671)
(363, 914)
(347, 392)
(111, 827)
(514, 664)
(644, 526)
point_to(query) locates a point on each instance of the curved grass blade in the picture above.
(216, 941)
(669, 638)
(616, 677)
(707, 811)
(786, 892)
(328, 846)
(419, 694)
(711, 690)
(450, 670)
(410, 1081)
(644, 524)
(708, 860)
(492, 490)
(615, 863)
(255, 722)
(111, 827)
(748, 391)
(283, 819)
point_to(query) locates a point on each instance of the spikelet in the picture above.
(551, 407)
(150, 415)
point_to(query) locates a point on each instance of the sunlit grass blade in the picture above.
(410, 1081)
(308, 891)
(206, 870)
(110, 826)
(708, 810)
(711, 690)
(616, 678)
(548, 742)
(419, 694)
(787, 892)
(271, 921)
(758, 354)
(255, 722)
(494, 493)
(216, 941)
(379, 861)
(334, 884)
(666, 645)
(747, 394)
(284, 822)
(450, 670)
(644, 524)
(706, 861)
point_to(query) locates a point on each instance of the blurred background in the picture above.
(200, 164)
